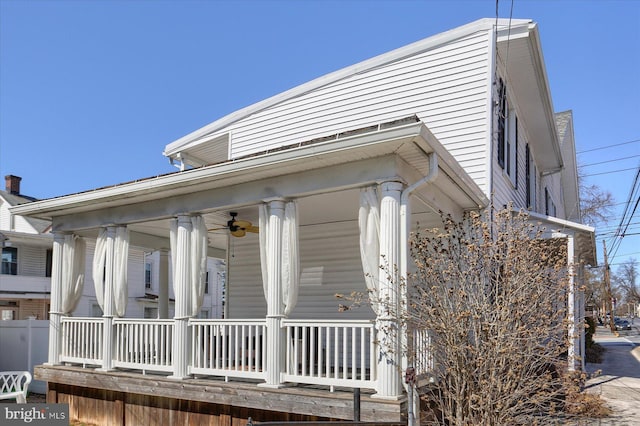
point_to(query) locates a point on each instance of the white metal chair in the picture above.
(14, 384)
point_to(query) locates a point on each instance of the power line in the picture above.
(607, 173)
(610, 161)
(609, 146)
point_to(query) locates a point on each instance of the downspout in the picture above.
(405, 226)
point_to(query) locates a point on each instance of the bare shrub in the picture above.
(492, 293)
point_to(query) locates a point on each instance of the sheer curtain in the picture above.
(369, 224)
(290, 269)
(72, 272)
(198, 262)
(290, 258)
(120, 260)
(99, 262)
(197, 258)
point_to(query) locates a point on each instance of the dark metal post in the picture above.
(356, 405)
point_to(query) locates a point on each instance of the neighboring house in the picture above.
(326, 181)
(25, 277)
(27, 258)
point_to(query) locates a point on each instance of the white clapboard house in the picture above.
(315, 186)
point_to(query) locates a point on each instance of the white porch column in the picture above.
(163, 285)
(108, 310)
(181, 285)
(389, 359)
(275, 308)
(571, 306)
(55, 330)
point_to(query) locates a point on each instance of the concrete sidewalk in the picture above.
(618, 381)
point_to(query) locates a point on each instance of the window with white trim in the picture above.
(10, 261)
(530, 179)
(507, 135)
(148, 274)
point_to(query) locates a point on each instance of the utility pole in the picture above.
(607, 284)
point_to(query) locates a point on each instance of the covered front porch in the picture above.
(328, 213)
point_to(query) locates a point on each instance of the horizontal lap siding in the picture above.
(446, 87)
(329, 262)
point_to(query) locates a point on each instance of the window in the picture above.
(10, 261)
(48, 263)
(530, 179)
(507, 135)
(148, 266)
(502, 117)
(549, 205)
(206, 283)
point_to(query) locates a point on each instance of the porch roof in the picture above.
(584, 235)
(192, 191)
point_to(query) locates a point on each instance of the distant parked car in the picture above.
(622, 324)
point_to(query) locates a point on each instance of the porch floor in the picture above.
(299, 399)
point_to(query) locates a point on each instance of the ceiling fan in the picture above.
(238, 228)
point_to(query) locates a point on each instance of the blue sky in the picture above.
(92, 91)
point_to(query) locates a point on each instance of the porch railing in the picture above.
(81, 340)
(322, 352)
(228, 348)
(423, 355)
(143, 344)
(333, 353)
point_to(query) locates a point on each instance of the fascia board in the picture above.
(155, 188)
(420, 46)
(565, 224)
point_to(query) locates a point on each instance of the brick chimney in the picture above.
(12, 184)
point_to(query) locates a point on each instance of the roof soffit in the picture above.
(522, 60)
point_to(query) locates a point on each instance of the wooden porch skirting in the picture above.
(124, 398)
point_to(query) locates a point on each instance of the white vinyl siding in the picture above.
(445, 87)
(329, 262)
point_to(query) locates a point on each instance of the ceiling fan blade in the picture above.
(217, 229)
(238, 233)
(241, 223)
(253, 229)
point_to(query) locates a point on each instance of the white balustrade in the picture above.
(322, 352)
(333, 353)
(143, 344)
(423, 355)
(81, 340)
(228, 348)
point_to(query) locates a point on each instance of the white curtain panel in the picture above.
(290, 268)
(290, 258)
(120, 260)
(263, 224)
(72, 272)
(198, 261)
(99, 261)
(369, 224)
